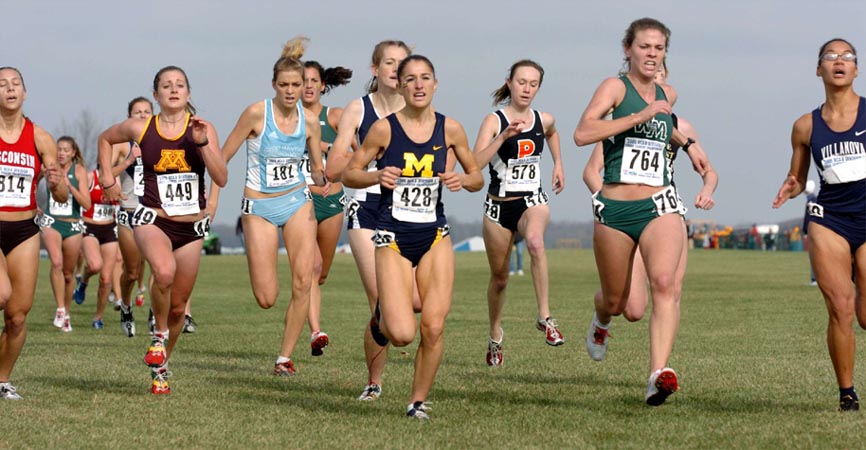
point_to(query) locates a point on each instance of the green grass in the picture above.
(751, 356)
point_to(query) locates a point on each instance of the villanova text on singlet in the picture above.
(369, 116)
(416, 202)
(173, 170)
(637, 155)
(841, 162)
(69, 209)
(20, 165)
(515, 169)
(273, 157)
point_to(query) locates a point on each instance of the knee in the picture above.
(663, 285)
(67, 277)
(632, 316)
(177, 309)
(535, 244)
(432, 331)
(94, 267)
(400, 336)
(16, 322)
(499, 281)
(301, 285)
(105, 279)
(57, 264)
(163, 277)
(842, 312)
(131, 273)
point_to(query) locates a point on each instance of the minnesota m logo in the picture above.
(172, 159)
(413, 166)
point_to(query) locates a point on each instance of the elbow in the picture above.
(580, 138)
(476, 182)
(331, 174)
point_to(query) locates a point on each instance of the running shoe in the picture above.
(127, 322)
(662, 383)
(139, 298)
(67, 325)
(418, 410)
(849, 402)
(97, 324)
(78, 293)
(371, 392)
(159, 381)
(596, 341)
(58, 318)
(189, 324)
(378, 336)
(114, 301)
(551, 331)
(155, 356)
(494, 350)
(318, 341)
(7, 392)
(285, 369)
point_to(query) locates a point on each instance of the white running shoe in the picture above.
(418, 410)
(58, 317)
(371, 392)
(661, 384)
(596, 340)
(67, 325)
(7, 392)
(494, 350)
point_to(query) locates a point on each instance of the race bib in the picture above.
(597, 208)
(60, 209)
(844, 168)
(15, 185)
(202, 227)
(103, 212)
(523, 174)
(143, 216)
(643, 162)
(668, 201)
(178, 193)
(283, 172)
(539, 198)
(138, 178)
(415, 199)
(491, 210)
(43, 220)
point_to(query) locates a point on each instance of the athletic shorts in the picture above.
(506, 213)
(851, 226)
(12, 234)
(182, 233)
(66, 229)
(104, 233)
(362, 215)
(632, 216)
(412, 245)
(330, 206)
(276, 210)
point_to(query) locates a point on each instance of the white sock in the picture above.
(283, 359)
(597, 323)
(124, 308)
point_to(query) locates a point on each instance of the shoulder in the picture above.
(547, 119)
(670, 93)
(255, 111)
(452, 126)
(42, 138)
(491, 121)
(803, 124)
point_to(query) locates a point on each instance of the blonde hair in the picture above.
(290, 58)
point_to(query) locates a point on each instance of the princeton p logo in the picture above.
(525, 147)
(172, 160)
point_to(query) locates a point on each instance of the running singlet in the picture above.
(637, 156)
(173, 170)
(416, 202)
(100, 210)
(19, 169)
(515, 169)
(273, 157)
(132, 182)
(329, 134)
(71, 209)
(841, 162)
(368, 117)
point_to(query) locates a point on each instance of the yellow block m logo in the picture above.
(413, 166)
(172, 159)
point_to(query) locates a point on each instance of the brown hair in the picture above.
(646, 23)
(189, 106)
(19, 75)
(820, 52)
(76, 151)
(378, 54)
(290, 58)
(135, 101)
(331, 77)
(410, 58)
(502, 96)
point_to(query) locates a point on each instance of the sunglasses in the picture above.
(847, 56)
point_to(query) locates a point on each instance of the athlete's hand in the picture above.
(451, 180)
(790, 186)
(318, 176)
(136, 152)
(53, 176)
(514, 128)
(558, 179)
(327, 189)
(199, 129)
(656, 107)
(704, 201)
(388, 176)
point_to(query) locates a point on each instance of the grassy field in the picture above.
(751, 355)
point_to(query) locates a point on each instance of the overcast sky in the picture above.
(744, 69)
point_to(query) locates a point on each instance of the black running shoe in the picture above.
(849, 403)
